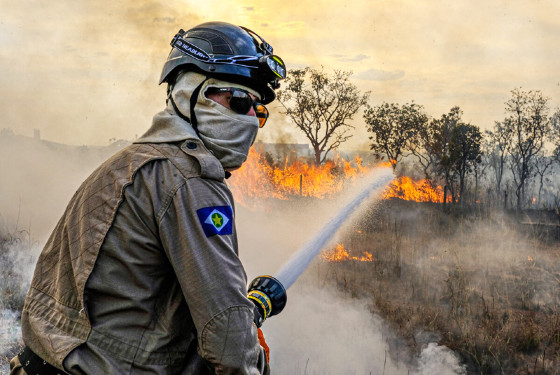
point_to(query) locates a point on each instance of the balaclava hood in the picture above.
(227, 134)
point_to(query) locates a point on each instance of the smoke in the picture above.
(84, 72)
(10, 338)
(297, 264)
(9, 330)
(38, 180)
(321, 330)
(435, 360)
(17, 260)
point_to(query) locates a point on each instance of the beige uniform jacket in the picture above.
(141, 274)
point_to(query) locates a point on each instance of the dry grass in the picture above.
(17, 258)
(482, 287)
(15, 254)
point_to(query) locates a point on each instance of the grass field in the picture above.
(479, 283)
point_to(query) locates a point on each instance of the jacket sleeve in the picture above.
(211, 275)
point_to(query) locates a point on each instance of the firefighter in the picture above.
(141, 274)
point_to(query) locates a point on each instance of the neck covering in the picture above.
(225, 133)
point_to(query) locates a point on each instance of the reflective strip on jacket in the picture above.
(129, 281)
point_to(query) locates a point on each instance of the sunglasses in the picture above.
(241, 102)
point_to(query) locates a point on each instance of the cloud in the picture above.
(292, 25)
(380, 75)
(346, 58)
(169, 20)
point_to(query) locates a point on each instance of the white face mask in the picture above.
(227, 134)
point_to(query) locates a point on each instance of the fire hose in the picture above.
(269, 293)
(269, 296)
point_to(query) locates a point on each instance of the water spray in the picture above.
(269, 293)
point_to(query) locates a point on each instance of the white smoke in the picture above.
(324, 332)
(10, 334)
(321, 330)
(17, 262)
(439, 360)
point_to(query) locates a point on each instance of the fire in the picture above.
(410, 190)
(260, 179)
(339, 254)
(257, 178)
(389, 164)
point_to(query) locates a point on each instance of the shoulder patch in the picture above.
(216, 220)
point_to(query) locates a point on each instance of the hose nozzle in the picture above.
(269, 297)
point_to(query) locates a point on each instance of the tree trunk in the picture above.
(540, 191)
(499, 175)
(461, 187)
(317, 156)
(519, 199)
(444, 196)
(475, 186)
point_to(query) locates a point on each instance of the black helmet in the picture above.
(228, 52)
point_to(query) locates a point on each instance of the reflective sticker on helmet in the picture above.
(189, 49)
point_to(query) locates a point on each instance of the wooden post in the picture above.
(301, 184)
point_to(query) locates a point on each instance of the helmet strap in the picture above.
(193, 100)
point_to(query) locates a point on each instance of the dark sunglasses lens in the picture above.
(240, 102)
(262, 114)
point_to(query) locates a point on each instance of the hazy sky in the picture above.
(86, 71)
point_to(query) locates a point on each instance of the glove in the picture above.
(263, 344)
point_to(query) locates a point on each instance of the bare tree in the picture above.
(395, 128)
(543, 167)
(479, 173)
(549, 154)
(423, 147)
(496, 146)
(442, 132)
(464, 152)
(529, 124)
(555, 134)
(321, 105)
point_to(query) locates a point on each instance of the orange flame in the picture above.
(339, 254)
(257, 178)
(410, 190)
(389, 164)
